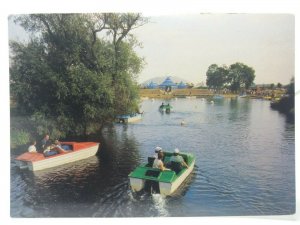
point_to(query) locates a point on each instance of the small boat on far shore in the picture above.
(77, 150)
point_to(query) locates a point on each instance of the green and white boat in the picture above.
(165, 108)
(166, 181)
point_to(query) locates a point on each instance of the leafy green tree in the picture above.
(78, 71)
(240, 76)
(279, 85)
(216, 76)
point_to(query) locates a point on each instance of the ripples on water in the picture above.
(244, 166)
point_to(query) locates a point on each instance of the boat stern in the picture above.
(165, 188)
(22, 164)
(136, 184)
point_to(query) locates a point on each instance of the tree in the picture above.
(216, 76)
(279, 85)
(240, 76)
(77, 71)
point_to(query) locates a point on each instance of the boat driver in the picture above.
(178, 158)
(158, 163)
(157, 150)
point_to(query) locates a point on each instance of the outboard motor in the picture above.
(152, 187)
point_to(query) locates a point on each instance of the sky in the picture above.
(186, 45)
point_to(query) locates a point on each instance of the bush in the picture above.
(19, 138)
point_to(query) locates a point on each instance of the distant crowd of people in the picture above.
(47, 147)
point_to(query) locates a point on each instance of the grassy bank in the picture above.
(157, 93)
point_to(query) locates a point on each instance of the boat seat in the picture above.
(150, 161)
(152, 173)
(66, 147)
(50, 153)
(176, 166)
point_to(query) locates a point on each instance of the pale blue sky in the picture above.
(186, 45)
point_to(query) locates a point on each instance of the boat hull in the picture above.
(137, 184)
(129, 119)
(133, 119)
(56, 160)
(169, 188)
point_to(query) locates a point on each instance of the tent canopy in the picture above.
(168, 83)
(181, 85)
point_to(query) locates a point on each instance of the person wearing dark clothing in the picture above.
(44, 143)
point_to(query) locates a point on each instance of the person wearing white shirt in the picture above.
(178, 158)
(157, 150)
(32, 147)
(158, 163)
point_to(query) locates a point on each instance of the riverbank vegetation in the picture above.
(286, 104)
(76, 73)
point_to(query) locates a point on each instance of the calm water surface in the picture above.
(245, 165)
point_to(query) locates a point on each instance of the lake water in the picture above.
(245, 165)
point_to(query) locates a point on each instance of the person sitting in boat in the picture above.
(58, 147)
(168, 108)
(52, 149)
(178, 158)
(48, 151)
(162, 105)
(157, 150)
(32, 147)
(158, 163)
(45, 142)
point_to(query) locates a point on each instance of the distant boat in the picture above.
(77, 150)
(129, 118)
(190, 97)
(165, 108)
(218, 97)
(243, 96)
(267, 98)
(167, 181)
